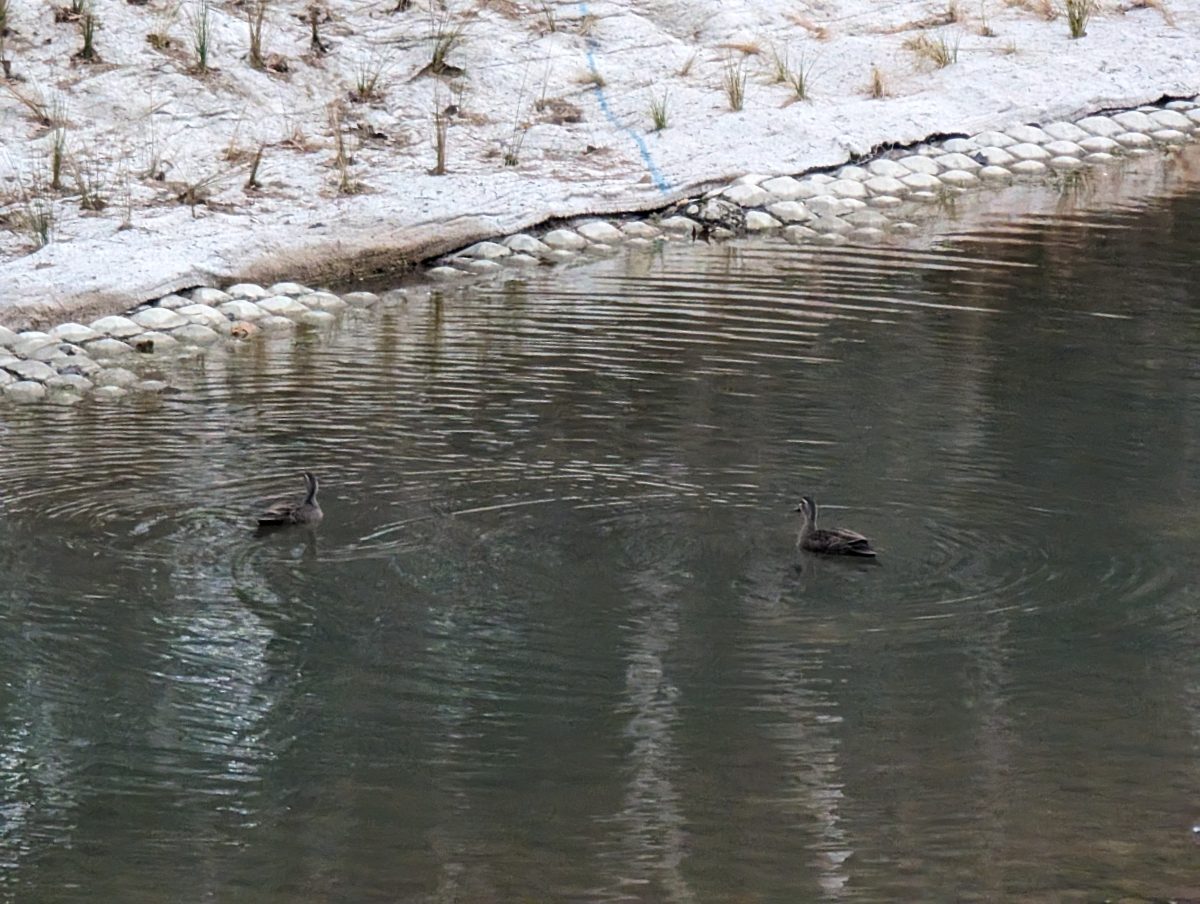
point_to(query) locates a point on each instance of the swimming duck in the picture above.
(288, 511)
(834, 540)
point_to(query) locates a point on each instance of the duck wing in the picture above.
(281, 512)
(849, 543)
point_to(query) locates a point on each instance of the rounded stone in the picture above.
(1065, 131)
(1028, 167)
(197, 334)
(640, 230)
(74, 332)
(994, 139)
(115, 376)
(355, 299)
(831, 225)
(108, 348)
(830, 238)
(750, 179)
(848, 188)
(150, 386)
(1028, 135)
(886, 202)
(960, 145)
(115, 327)
(486, 251)
(171, 302)
(276, 323)
(25, 391)
(159, 319)
(528, 260)
(885, 185)
(1194, 115)
(564, 240)
(783, 188)
(79, 365)
(799, 233)
(1133, 140)
(1100, 158)
(919, 166)
(904, 228)
(55, 350)
(760, 221)
(600, 232)
(957, 162)
(1100, 125)
(1134, 121)
(154, 341)
(480, 267)
(854, 173)
(320, 319)
(1027, 151)
(745, 195)
(827, 206)
(922, 182)
(678, 225)
(6, 378)
(31, 371)
(789, 211)
(867, 218)
(241, 309)
(959, 178)
(1065, 163)
(248, 291)
(70, 382)
(109, 393)
(323, 301)
(1169, 136)
(995, 174)
(1098, 144)
(29, 343)
(209, 296)
(526, 244)
(599, 250)
(286, 306)
(203, 314)
(888, 169)
(561, 256)
(994, 156)
(7, 337)
(867, 234)
(1063, 148)
(288, 288)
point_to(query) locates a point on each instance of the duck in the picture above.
(289, 511)
(835, 541)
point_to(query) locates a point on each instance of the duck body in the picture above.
(291, 511)
(835, 541)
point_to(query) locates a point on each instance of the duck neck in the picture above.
(808, 523)
(311, 498)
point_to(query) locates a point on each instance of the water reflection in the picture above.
(553, 641)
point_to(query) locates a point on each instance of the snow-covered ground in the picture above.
(546, 108)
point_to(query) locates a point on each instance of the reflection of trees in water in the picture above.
(797, 711)
(650, 846)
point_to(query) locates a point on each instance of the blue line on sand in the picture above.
(661, 183)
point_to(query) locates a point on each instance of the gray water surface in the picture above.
(553, 641)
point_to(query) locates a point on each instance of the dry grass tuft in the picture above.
(876, 85)
(937, 51)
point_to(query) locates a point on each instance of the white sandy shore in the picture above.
(143, 112)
